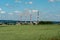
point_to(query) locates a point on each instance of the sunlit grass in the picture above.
(29, 32)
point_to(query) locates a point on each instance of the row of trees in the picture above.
(45, 22)
(33, 23)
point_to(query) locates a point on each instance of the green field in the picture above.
(29, 32)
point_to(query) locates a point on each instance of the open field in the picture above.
(29, 32)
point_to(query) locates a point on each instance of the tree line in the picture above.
(28, 22)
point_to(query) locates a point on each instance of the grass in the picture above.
(29, 32)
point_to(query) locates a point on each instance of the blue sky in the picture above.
(14, 9)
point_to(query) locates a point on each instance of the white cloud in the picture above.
(17, 11)
(30, 2)
(18, 1)
(2, 12)
(58, 15)
(54, 0)
(34, 11)
(10, 13)
(0, 9)
(51, 0)
(7, 4)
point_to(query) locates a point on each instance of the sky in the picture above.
(49, 10)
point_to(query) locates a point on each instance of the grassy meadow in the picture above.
(29, 32)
